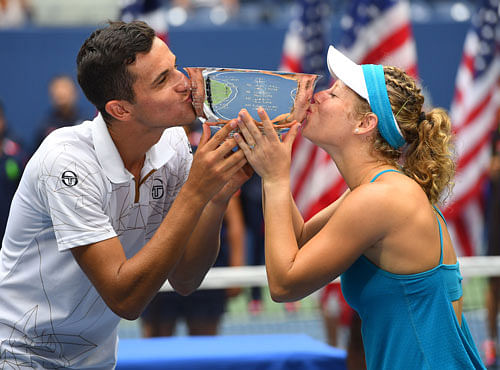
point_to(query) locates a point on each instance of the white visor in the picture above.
(347, 71)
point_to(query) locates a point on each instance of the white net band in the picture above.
(248, 276)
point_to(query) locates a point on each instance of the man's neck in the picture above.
(132, 143)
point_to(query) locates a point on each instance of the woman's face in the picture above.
(330, 116)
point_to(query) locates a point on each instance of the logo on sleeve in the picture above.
(157, 189)
(69, 178)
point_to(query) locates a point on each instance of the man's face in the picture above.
(63, 93)
(162, 93)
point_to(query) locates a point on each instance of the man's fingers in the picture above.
(221, 135)
(205, 136)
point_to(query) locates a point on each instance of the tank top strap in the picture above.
(382, 172)
(440, 232)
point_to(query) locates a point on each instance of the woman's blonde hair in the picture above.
(428, 156)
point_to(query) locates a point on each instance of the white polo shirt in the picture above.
(75, 191)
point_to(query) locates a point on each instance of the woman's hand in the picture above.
(268, 156)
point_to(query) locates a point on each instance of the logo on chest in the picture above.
(157, 190)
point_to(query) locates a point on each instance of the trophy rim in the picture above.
(254, 70)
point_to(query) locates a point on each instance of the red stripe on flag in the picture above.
(467, 158)
(290, 64)
(305, 171)
(412, 71)
(468, 63)
(475, 191)
(326, 199)
(463, 236)
(476, 111)
(459, 96)
(397, 38)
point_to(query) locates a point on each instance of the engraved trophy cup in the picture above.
(220, 93)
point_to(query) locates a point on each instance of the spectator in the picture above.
(64, 110)
(14, 13)
(11, 160)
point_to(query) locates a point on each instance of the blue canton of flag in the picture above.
(312, 18)
(379, 32)
(484, 25)
(361, 14)
(305, 47)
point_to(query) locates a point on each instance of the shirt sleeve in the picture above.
(75, 192)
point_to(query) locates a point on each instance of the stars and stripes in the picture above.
(374, 31)
(474, 115)
(379, 32)
(315, 179)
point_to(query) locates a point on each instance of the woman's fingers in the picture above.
(250, 141)
(247, 149)
(291, 134)
(248, 128)
(268, 127)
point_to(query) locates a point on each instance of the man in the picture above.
(108, 210)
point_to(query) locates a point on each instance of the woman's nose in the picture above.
(319, 97)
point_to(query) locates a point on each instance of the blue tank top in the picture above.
(408, 321)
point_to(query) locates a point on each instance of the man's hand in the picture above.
(215, 165)
(234, 184)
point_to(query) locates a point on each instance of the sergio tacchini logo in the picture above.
(69, 178)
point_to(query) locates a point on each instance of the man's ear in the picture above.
(118, 109)
(367, 124)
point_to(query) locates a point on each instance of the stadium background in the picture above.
(31, 55)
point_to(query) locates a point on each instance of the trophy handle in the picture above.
(197, 89)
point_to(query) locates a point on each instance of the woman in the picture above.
(384, 235)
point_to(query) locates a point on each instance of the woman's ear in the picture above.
(118, 109)
(367, 124)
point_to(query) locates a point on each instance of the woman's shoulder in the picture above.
(397, 196)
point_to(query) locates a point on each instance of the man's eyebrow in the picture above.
(160, 77)
(163, 74)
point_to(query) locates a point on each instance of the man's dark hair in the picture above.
(103, 61)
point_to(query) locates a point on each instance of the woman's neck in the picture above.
(358, 166)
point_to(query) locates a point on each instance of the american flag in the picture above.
(149, 11)
(313, 174)
(474, 115)
(374, 31)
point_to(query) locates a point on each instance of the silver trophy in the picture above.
(220, 93)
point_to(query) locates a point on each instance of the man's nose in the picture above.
(183, 84)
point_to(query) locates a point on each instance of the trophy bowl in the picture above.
(220, 93)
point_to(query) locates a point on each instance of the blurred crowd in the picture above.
(19, 13)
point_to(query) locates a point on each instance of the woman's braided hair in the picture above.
(428, 157)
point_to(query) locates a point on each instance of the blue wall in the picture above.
(29, 58)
